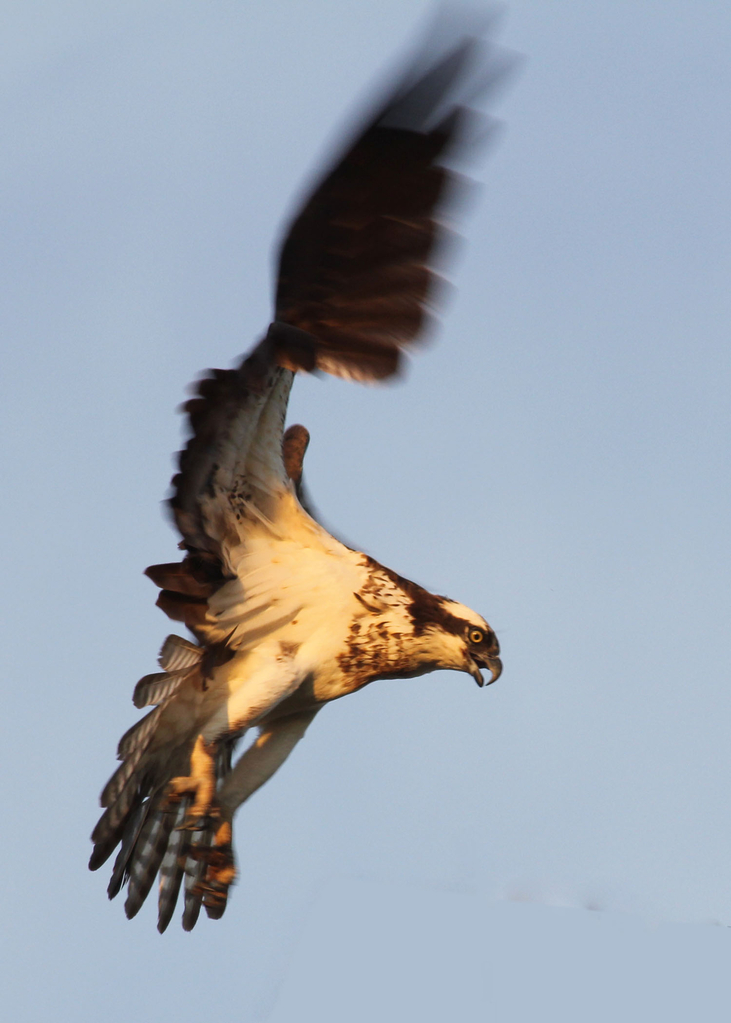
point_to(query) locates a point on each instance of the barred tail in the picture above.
(139, 815)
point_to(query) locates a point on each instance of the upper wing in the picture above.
(356, 269)
(356, 283)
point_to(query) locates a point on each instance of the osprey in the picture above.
(284, 616)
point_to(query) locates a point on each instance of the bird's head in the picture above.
(461, 639)
(480, 647)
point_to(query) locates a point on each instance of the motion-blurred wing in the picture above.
(356, 270)
(356, 284)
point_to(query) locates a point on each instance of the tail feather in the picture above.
(138, 816)
(143, 866)
(156, 688)
(132, 830)
(124, 795)
(125, 777)
(127, 797)
(172, 869)
(137, 738)
(177, 653)
(195, 870)
(112, 824)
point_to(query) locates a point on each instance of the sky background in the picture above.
(557, 846)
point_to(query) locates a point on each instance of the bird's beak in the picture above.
(494, 664)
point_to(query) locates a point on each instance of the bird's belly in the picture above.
(316, 689)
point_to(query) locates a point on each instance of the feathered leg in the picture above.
(275, 677)
(200, 783)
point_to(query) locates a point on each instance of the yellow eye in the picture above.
(476, 636)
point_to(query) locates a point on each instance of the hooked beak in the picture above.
(495, 666)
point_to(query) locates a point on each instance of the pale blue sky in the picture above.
(558, 460)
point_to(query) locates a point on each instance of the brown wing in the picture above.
(356, 269)
(356, 282)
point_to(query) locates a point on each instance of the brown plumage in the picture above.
(357, 283)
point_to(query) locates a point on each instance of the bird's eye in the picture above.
(476, 636)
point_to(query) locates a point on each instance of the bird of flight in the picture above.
(286, 618)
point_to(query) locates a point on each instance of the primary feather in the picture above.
(285, 617)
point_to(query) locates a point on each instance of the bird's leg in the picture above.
(275, 678)
(275, 742)
(220, 869)
(200, 783)
(272, 747)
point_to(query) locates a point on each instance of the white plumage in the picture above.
(286, 618)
